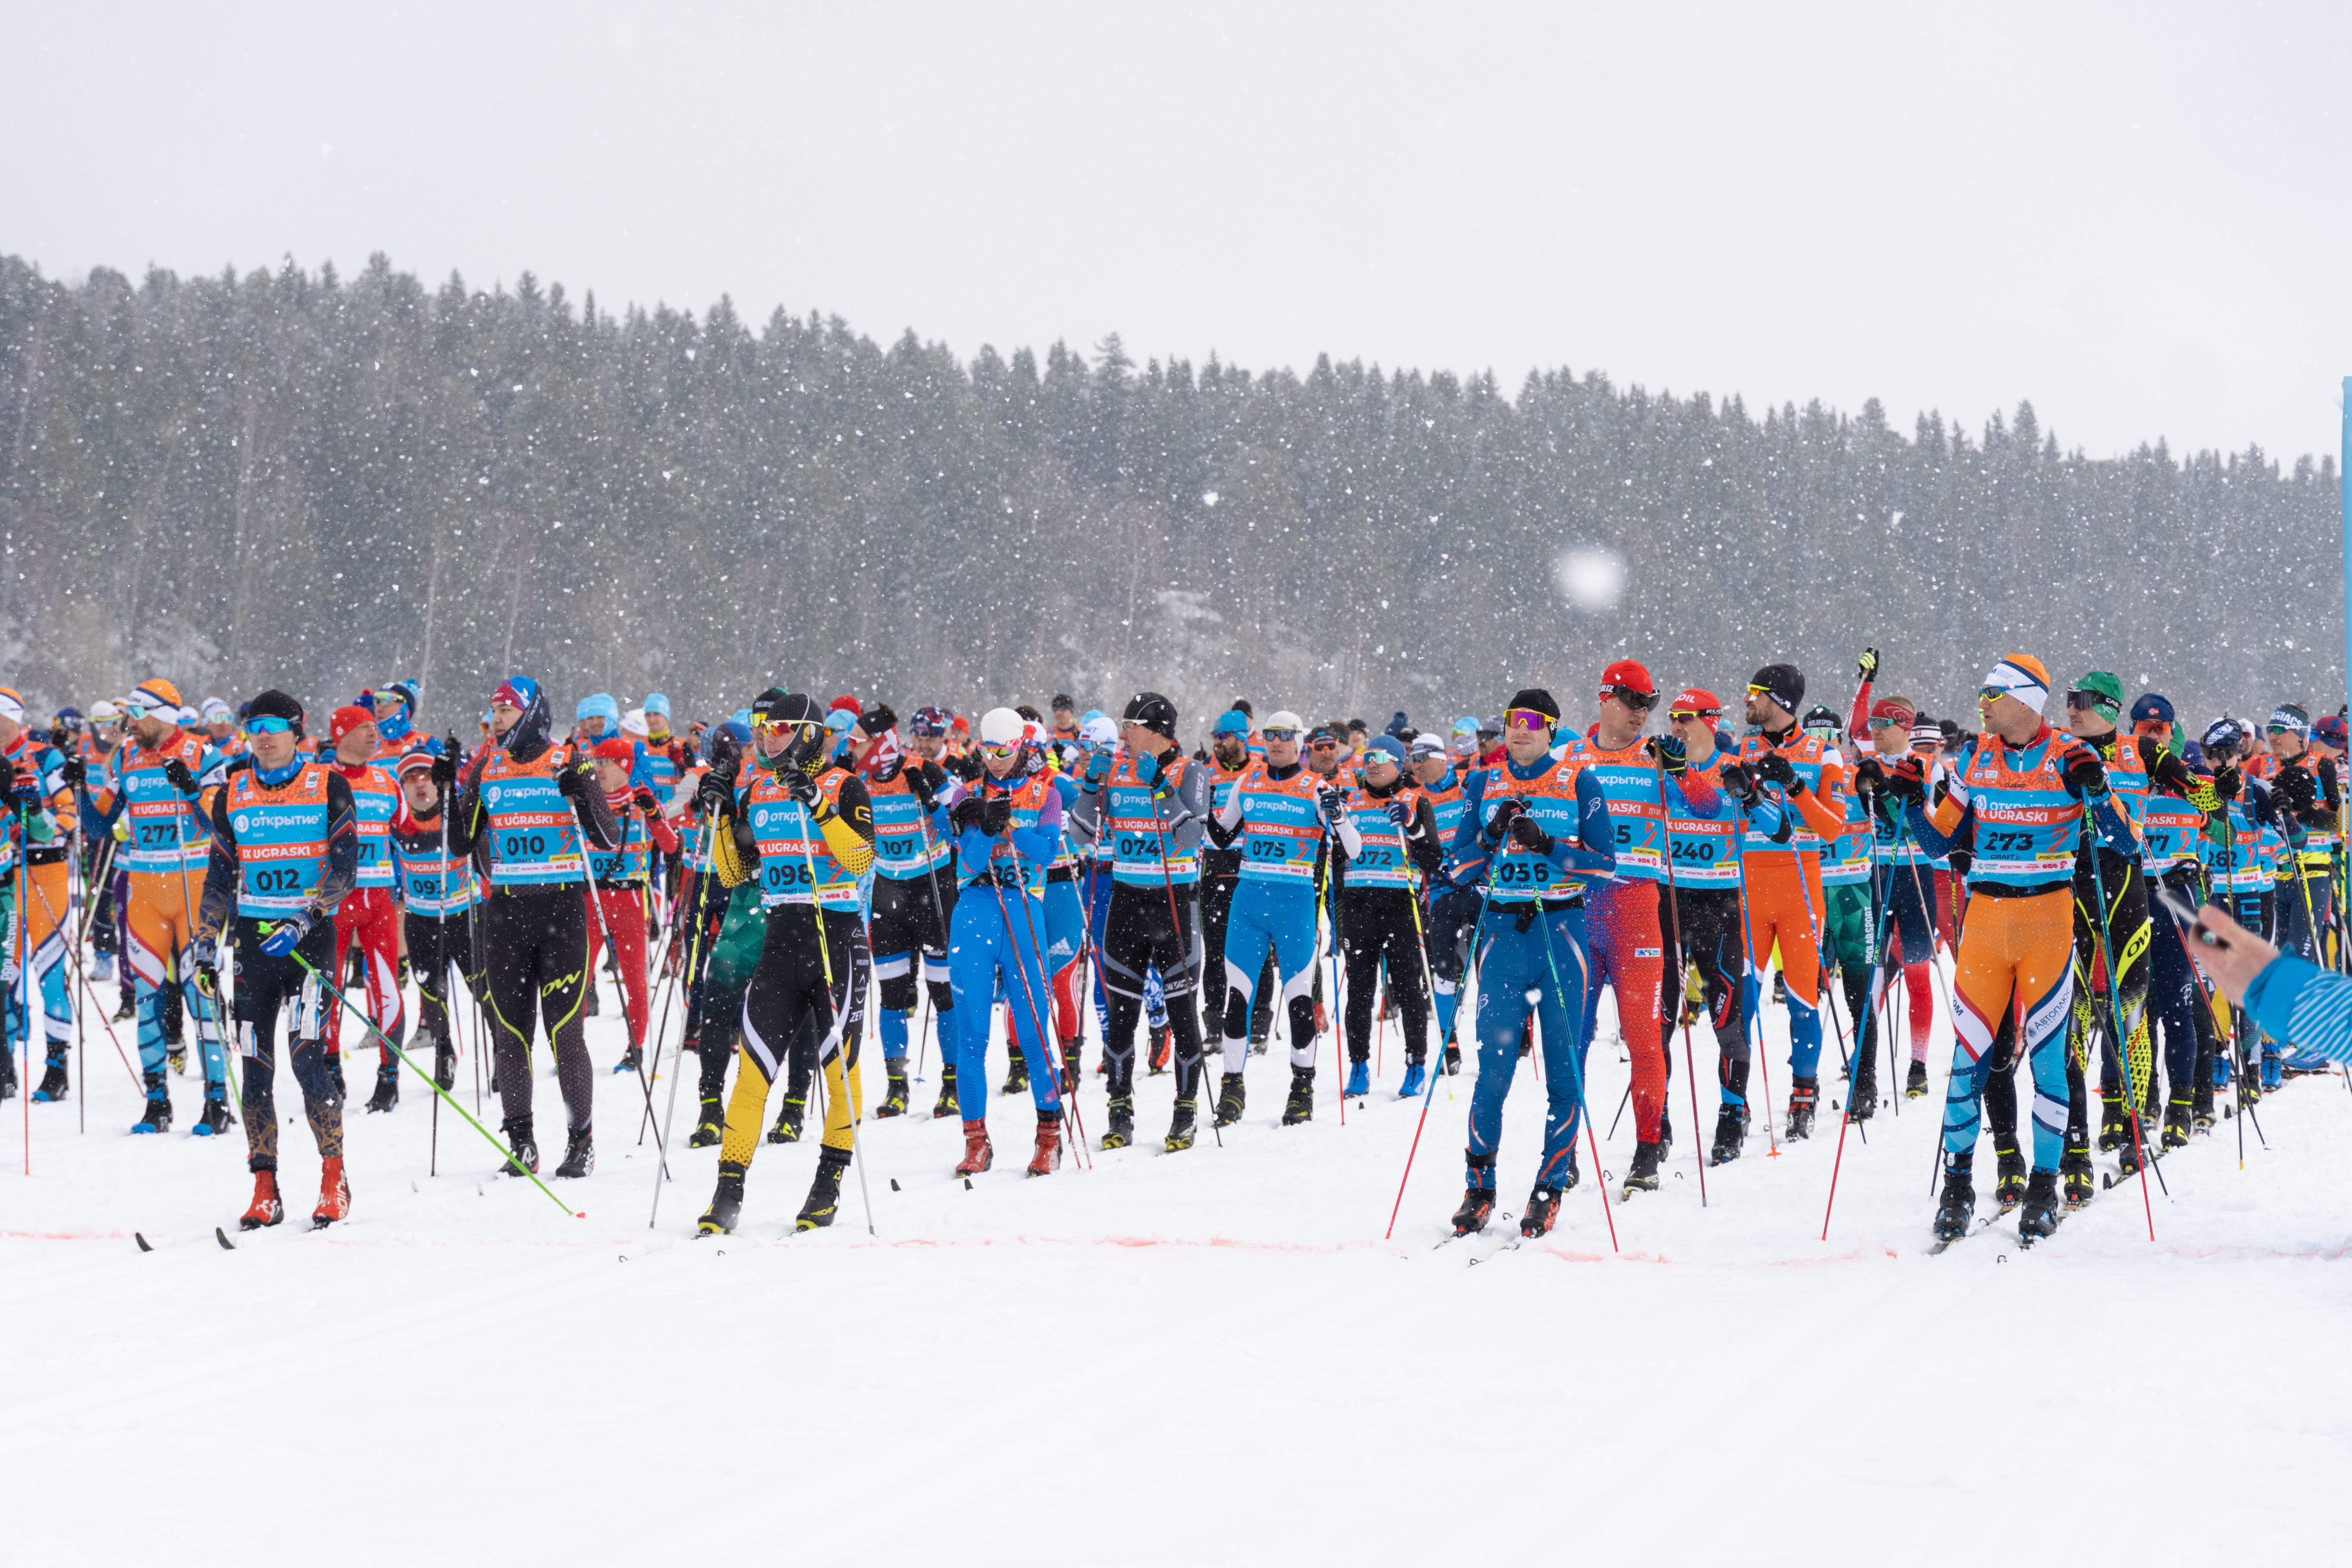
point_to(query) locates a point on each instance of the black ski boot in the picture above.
(1073, 1051)
(2201, 1103)
(387, 1088)
(216, 1119)
(1477, 1208)
(2113, 1131)
(631, 1061)
(1232, 1093)
(946, 1105)
(894, 1096)
(1862, 1094)
(157, 1118)
(523, 1149)
(1120, 1131)
(1542, 1212)
(825, 1192)
(2074, 1177)
(1779, 989)
(1180, 1127)
(2009, 1178)
(2128, 1156)
(787, 1128)
(7, 1074)
(710, 1126)
(52, 1087)
(2040, 1217)
(445, 1064)
(175, 1057)
(1730, 1134)
(1159, 1050)
(726, 1204)
(1017, 1074)
(1915, 1082)
(2177, 1122)
(1804, 1093)
(1300, 1106)
(579, 1153)
(1643, 1177)
(1957, 1207)
(1453, 1060)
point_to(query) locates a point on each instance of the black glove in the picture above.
(644, 801)
(1335, 809)
(58, 740)
(967, 767)
(926, 781)
(1528, 833)
(1908, 779)
(2294, 786)
(1869, 774)
(8, 775)
(716, 794)
(176, 774)
(1670, 754)
(572, 782)
(964, 815)
(1738, 782)
(1866, 668)
(74, 772)
(996, 814)
(1774, 769)
(799, 784)
(2086, 777)
(1399, 813)
(445, 768)
(1507, 809)
(2226, 781)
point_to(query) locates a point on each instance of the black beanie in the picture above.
(1537, 698)
(1784, 683)
(275, 704)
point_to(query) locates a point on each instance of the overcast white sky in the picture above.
(2134, 215)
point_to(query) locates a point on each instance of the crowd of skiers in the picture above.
(779, 871)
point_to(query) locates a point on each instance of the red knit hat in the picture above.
(615, 749)
(345, 720)
(1698, 699)
(1630, 674)
(845, 704)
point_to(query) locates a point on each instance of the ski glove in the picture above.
(74, 772)
(1098, 767)
(207, 957)
(1908, 779)
(1671, 754)
(7, 776)
(1399, 813)
(2226, 783)
(716, 794)
(2294, 786)
(445, 768)
(2086, 777)
(1499, 824)
(996, 814)
(1866, 668)
(644, 801)
(1335, 810)
(964, 815)
(1527, 834)
(287, 936)
(800, 786)
(1738, 782)
(1147, 766)
(176, 774)
(572, 782)
(1775, 769)
(2202, 796)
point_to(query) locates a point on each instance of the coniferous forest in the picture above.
(319, 482)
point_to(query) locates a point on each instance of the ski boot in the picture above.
(1862, 1094)
(2128, 1157)
(7, 1074)
(1016, 1072)
(1048, 1158)
(2040, 1215)
(1300, 1106)
(1159, 1049)
(2250, 1080)
(2075, 1176)
(1915, 1082)
(2113, 1131)
(1779, 989)
(445, 1066)
(589, 1007)
(1804, 1094)
(1543, 1205)
(1958, 1205)
(631, 1061)
(157, 1117)
(523, 1149)
(1359, 1079)
(893, 1095)
(1121, 1130)
(102, 969)
(579, 1153)
(946, 1105)
(264, 1209)
(53, 1083)
(2200, 1107)
(175, 1057)
(789, 1115)
(124, 1013)
(726, 1204)
(710, 1126)
(1233, 1094)
(216, 1119)
(1071, 1051)
(978, 1155)
(1453, 1060)
(1477, 1208)
(334, 1195)
(1180, 1126)
(1730, 1134)
(1643, 1177)
(2177, 1122)
(2009, 1178)
(1416, 1077)
(825, 1192)
(387, 1088)
(1665, 1132)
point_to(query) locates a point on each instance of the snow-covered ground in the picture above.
(1205, 1357)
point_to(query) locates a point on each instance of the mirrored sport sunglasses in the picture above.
(1526, 718)
(268, 726)
(999, 748)
(1992, 693)
(1326, 745)
(2078, 701)
(1687, 715)
(1281, 734)
(1639, 701)
(1879, 723)
(135, 711)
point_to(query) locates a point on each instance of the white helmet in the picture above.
(1100, 732)
(1001, 727)
(1284, 720)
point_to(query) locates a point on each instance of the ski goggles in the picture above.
(268, 726)
(2099, 702)
(1639, 701)
(1526, 719)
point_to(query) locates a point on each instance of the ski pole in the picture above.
(385, 1040)
(824, 956)
(605, 934)
(204, 1018)
(1674, 919)
(1429, 1090)
(1051, 1057)
(1182, 938)
(1576, 1067)
(1753, 1024)
(698, 911)
(1061, 1065)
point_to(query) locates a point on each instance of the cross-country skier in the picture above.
(434, 885)
(1397, 845)
(36, 790)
